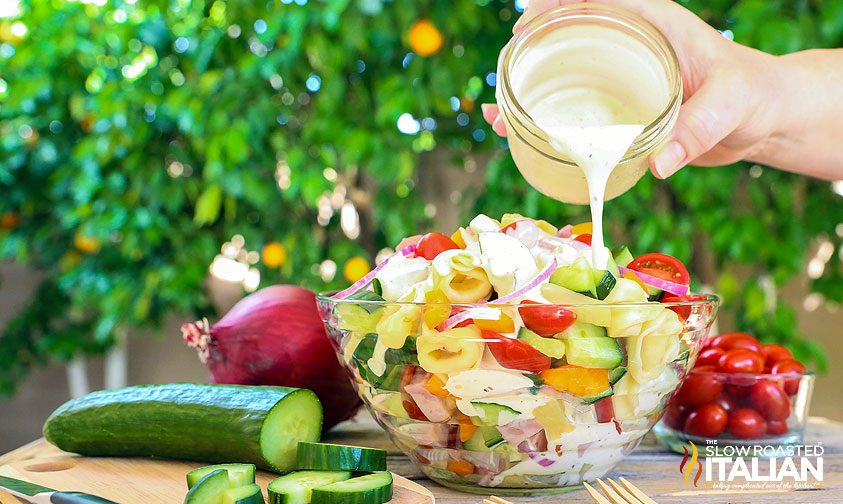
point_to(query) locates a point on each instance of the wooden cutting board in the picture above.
(141, 481)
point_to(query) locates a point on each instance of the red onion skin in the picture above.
(276, 337)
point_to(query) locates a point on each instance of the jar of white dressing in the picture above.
(572, 71)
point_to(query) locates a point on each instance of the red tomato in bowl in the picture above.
(777, 427)
(584, 238)
(662, 266)
(770, 400)
(675, 415)
(775, 353)
(545, 320)
(433, 244)
(701, 386)
(741, 361)
(710, 357)
(709, 420)
(736, 340)
(682, 311)
(726, 402)
(746, 423)
(791, 385)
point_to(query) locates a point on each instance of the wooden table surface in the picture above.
(651, 467)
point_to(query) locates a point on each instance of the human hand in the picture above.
(726, 85)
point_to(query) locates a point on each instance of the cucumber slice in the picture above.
(494, 439)
(209, 489)
(238, 474)
(332, 457)
(551, 347)
(246, 494)
(377, 287)
(596, 397)
(356, 314)
(296, 487)
(375, 488)
(491, 414)
(584, 330)
(594, 352)
(622, 256)
(605, 282)
(616, 374)
(577, 277)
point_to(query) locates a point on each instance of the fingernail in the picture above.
(669, 160)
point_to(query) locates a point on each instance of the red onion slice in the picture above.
(532, 284)
(659, 283)
(359, 284)
(480, 312)
(540, 459)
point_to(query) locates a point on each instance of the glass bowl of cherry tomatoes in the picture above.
(740, 392)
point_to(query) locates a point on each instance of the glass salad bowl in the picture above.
(481, 405)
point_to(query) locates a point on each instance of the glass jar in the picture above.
(587, 49)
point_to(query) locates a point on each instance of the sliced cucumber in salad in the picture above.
(375, 488)
(238, 474)
(602, 352)
(247, 494)
(297, 487)
(616, 374)
(622, 256)
(357, 314)
(551, 347)
(491, 414)
(325, 456)
(596, 397)
(580, 277)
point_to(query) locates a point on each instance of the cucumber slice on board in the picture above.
(238, 474)
(213, 423)
(246, 494)
(209, 489)
(375, 488)
(296, 487)
(332, 457)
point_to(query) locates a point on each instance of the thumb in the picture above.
(708, 117)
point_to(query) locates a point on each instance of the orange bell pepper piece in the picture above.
(461, 467)
(436, 386)
(580, 381)
(582, 228)
(502, 325)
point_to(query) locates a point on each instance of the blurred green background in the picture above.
(144, 144)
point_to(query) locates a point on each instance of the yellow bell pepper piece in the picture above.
(458, 239)
(503, 325)
(580, 381)
(437, 309)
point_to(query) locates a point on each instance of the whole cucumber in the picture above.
(261, 425)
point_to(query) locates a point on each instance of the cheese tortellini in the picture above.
(460, 276)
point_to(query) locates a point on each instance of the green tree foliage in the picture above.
(137, 137)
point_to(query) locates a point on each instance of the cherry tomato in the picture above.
(726, 402)
(515, 354)
(584, 238)
(741, 361)
(791, 385)
(432, 244)
(777, 427)
(675, 415)
(662, 266)
(769, 400)
(700, 386)
(746, 423)
(738, 390)
(709, 420)
(709, 357)
(546, 320)
(775, 353)
(682, 311)
(736, 340)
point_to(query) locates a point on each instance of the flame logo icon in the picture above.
(686, 467)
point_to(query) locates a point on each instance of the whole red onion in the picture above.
(276, 337)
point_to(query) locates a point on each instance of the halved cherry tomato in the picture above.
(662, 266)
(709, 420)
(791, 385)
(545, 320)
(584, 238)
(775, 353)
(746, 423)
(769, 400)
(432, 244)
(736, 340)
(709, 357)
(741, 361)
(682, 311)
(515, 354)
(701, 386)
